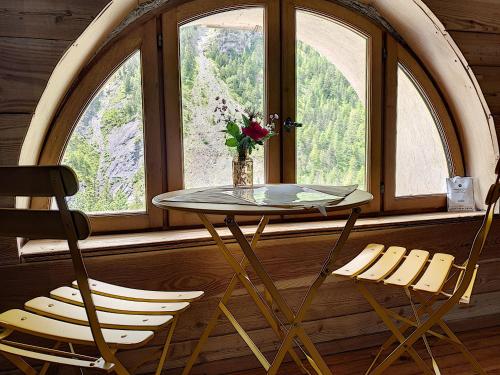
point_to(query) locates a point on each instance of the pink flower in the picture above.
(255, 131)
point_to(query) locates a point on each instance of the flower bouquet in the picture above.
(244, 135)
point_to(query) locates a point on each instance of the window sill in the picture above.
(41, 250)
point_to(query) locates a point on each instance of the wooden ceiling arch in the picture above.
(411, 20)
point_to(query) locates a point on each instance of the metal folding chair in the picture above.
(90, 312)
(424, 281)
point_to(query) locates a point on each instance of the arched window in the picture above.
(106, 148)
(141, 120)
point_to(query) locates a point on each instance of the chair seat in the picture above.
(394, 268)
(103, 303)
(23, 321)
(110, 290)
(75, 314)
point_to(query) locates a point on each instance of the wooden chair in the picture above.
(424, 280)
(90, 312)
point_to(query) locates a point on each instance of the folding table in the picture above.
(290, 331)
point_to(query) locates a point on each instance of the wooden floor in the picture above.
(484, 344)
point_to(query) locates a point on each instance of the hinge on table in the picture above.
(384, 53)
(159, 40)
(382, 188)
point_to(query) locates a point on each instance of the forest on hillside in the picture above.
(106, 148)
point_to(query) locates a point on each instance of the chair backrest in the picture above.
(58, 182)
(481, 235)
(39, 182)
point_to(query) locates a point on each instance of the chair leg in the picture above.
(20, 363)
(455, 340)
(393, 328)
(166, 346)
(414, 336)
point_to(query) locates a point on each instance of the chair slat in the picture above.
(75, 314)
(103, 303)
(409, 270)
(35, 181)
(40, 224)
(361, 262)
(385, 265)
(435, 275)
(23, 321)
(115, 291)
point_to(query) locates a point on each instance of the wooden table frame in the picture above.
(292, 331)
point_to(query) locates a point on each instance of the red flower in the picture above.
(255, 131)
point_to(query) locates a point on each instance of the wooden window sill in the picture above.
(41, 250)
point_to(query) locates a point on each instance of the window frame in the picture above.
(397, 54)
(143, 39)
(162, 107)
(172, 20)
(374, 63)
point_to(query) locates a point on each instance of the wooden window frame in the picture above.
(162, 107)
(374, 63)
(142, 38)
(397, 54)
(172, 20)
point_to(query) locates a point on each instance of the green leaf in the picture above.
(246, 120)
(233, 129)
(231, 142)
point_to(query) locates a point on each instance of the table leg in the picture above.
(241, 276)
(295, 320)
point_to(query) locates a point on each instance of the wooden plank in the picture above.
(47, 19)
(467, 15)
(321, 331)
(478, 48)
(25, 67)
(484, 344)
(202, 268)
(13, 128)
(12, 131)
(489, 80)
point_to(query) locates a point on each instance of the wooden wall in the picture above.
(340, 319)
(475, 27)
(35, 33)
(33, 36)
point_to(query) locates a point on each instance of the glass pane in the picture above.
(221, 56)
(106, 149)
(421, 164)
(331, 63)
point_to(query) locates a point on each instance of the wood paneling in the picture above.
(33, 36)
(467, 15)
(489, 80)
(54, 19)
(25, 67)
(338, 314)
(484, 345)
(12, 130)
(478, 48)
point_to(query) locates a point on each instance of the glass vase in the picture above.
(242, 171)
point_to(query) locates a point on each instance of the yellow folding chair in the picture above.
(90, 312)
(424, 281)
